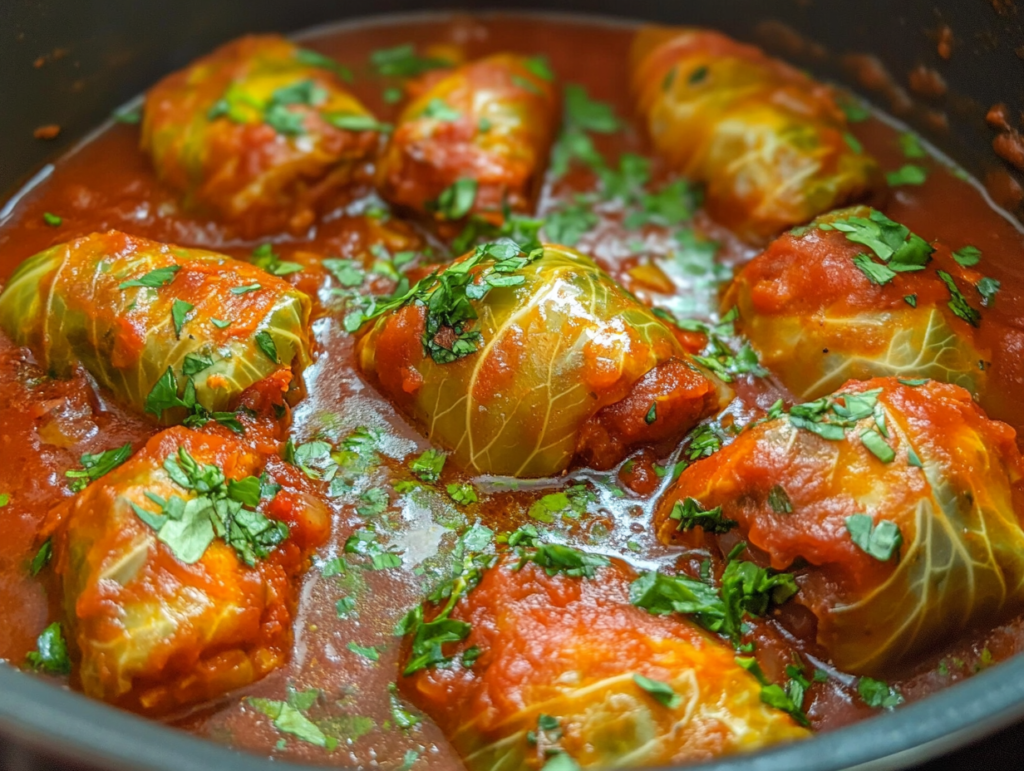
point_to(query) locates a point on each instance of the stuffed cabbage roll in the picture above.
(556, 663)
(770, 144)
(479, 134)
(167, 330)
(854, 296)
(519, 363)
(177, 569)
(259, 133)
(901, 497)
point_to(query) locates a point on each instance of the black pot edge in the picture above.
(67, 726)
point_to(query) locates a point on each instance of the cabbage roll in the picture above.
(168, 330)
(259, 133)
(556, 663)
(178, 569)
(770, 144)
(856, 296)
(519, 363)
(479, 134)
(900, 496)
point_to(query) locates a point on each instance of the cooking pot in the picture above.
(101, 53)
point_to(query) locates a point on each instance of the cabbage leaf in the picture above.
(916, 459)
(538, 358)
(113, 304)
(770, 144)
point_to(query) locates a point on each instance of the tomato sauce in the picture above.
(47, 424)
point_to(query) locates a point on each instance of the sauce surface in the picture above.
(45, 424)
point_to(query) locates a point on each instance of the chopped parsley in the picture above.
(881, 541)
(539, 66)
(662, 693)
(690, 514)
(41, 558)
(958, 303)
(364, 543)
(908, 174)
(220, 323)
(164, 396)
(402, 62)
(569, 223)
(967, 256)
(893, 244)
(96, 465)
(52, 219)
(462, 493)
(263, 256)
(154, 279)
(720, 355)
(571, 502)
(557, 558)
(772, 694)
(878, 694)
(439, 110)
(744, 588)
(351, 121)
(448, 295)
(51, 653)
(428, 466)
(288, 717)
(456, 200)
(367, 652)
(473, 555)
(348, 273)
(265, 342)
(245, 289)
(911, 145)
(652, 414)
(218, 508)
(987, 288)
(179, 315)
(316, 59)
(779, 500)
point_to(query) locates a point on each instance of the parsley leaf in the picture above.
(557, 558)
(289, 719)
(571, 502)
(690, 514)
(245, 289)
(154, 279)
(456, 200)
(428, 465)
(95, 466)
(263, 256)
(908, 174)
(958, 303)
(179, 311)
(52, 219)
(41, 558)
(367, 652)
(878, 694)
(881, 541)
(987, 288)
(51, 653)
(439, 110)
(967, 256)
(779, 500)
(265, 342)
(473, 555)
(662, 693)
(464, 493)
(402, 61)
(772, 694)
